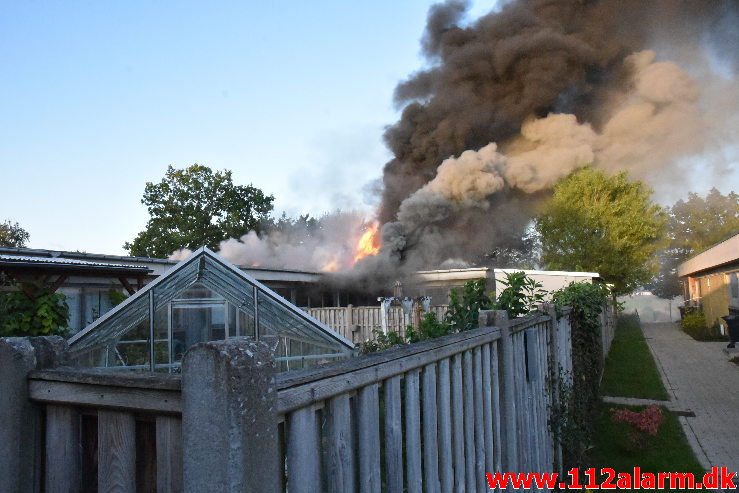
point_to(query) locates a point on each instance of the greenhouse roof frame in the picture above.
(206, 267)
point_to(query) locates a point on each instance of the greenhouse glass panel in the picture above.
(203, 298)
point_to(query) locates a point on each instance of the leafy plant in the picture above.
(429, 328)
(116, 297)
(521, 295)
(643, 423)
(382, 341)
(32, 310)
(463, 313)
(694, 324)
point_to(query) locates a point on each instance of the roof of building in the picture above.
(14, 263)
(477, 272)
(156, 265)
(720, 254)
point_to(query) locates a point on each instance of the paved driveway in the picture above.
(700, 378)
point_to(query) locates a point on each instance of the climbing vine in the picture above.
(32, 310)
(573, 423)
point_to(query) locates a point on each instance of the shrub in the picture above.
(382, 341)
(520, 296)
(32, 310)
(694, 324)
(463, 313)
(643, 424)
(430, 328)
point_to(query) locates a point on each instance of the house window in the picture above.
(734, 284)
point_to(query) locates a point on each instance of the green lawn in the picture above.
(668, 451)
(630, 370)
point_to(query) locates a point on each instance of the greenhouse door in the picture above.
(192, 322)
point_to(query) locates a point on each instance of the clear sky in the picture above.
(97, 98)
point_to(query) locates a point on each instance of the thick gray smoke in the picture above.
(524, 96)
(325, 244)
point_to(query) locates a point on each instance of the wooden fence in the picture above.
(358, 323)
(428, 417)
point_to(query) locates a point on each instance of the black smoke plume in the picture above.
(527, 94)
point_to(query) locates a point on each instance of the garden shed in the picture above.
(203, 298)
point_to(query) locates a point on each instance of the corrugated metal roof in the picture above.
(61, 261)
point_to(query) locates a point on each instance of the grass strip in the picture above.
(668, 451)
(629, 369)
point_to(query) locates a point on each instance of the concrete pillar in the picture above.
(229, 418)
(20, 419)
(407, 304)
(385, 303)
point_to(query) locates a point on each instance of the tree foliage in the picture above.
(13, 235)
(195, 206)
(602, 223)
(693, 226)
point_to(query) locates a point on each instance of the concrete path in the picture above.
(700, 378)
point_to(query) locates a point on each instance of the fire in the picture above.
(331, 266)
(368, 244)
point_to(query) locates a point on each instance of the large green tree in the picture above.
(12, 235)
(195, 206)
(602, 223)
(693, 225)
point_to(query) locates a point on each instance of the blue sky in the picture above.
(96, 98)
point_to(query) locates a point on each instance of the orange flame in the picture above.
(331, 266)
(368, 244)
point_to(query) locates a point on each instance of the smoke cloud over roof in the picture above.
(521, 97)
(508, 104)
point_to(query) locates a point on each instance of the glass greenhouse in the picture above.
(203, 298)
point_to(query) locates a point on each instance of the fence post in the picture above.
(499, 318)
(554, 374)
(229, 418)
(20, 433)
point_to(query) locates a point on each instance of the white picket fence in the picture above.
(357, 323)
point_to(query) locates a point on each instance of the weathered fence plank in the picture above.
(169, 454)
(116, 452)
(487, 403)
(340, 446)
(446, 456)
(63, 449)
(458, 423)
(303, 452)
(413, 433)
(430, 430)
(508, 410)
(469, 422)
(393, 434)
(368, 417)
